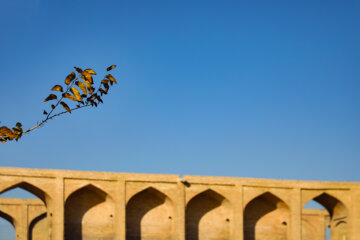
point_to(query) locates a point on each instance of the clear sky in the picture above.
(265, 89)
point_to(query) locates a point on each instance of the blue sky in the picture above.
(226, 88)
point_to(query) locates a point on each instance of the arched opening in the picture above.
(7, 229)
(328, 216)
(266, 217)
(25, 190)
(208, 216)
(89, 215)
(149, 215)
(26, 201)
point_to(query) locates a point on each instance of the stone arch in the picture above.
(338, 215)
(41, 194)
(7, 218)
(38, 228)
(266, 217)
(208, 216)
(149, 215)
(334, 206)
(89, 215)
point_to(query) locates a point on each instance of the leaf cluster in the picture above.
(78, 92)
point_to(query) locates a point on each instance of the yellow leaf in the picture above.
(70, 78)
(50, 97)
(76, 94)
(81, 85)
(6, 132)
(57, 88)
(65, 106)
(90, 71)
(88, 84)
(91, 90)
(69, 96)
(111, 78)
(87, 77)
(111, 67)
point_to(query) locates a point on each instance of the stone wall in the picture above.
(75, 205)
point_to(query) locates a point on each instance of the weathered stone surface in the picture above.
(76, 205)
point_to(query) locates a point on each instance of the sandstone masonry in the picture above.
(78, 205)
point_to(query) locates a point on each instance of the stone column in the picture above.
(295, 214)
(354, 215)
(238, 213)
(120, 207)
(180, 208)
(21, 227)
(56, 209)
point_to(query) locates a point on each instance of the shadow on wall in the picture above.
(149, 215)
(38, 227)
(89, 215)
(208, 217)
(266, 217)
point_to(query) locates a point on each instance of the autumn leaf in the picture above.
(105, 81)
(111, 78)
(69, 96)
(76, 94)
(91, 90)
(106, 86)
(45, 112)
(81, 85)
(65, 106)
(90, 71)
(87, 77)
(50, 97)
(111, 67)
(70, 78)
(79, 70)
(7, 133)
(57, 88)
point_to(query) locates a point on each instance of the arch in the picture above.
(41, 194)
(334, 206)
(9, 231)
(149, 215)
(338, 215)
(38, 228)
(7, 218)
(208, 216)
(266, 217)
(89, 215)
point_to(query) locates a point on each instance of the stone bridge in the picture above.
(77, 205)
